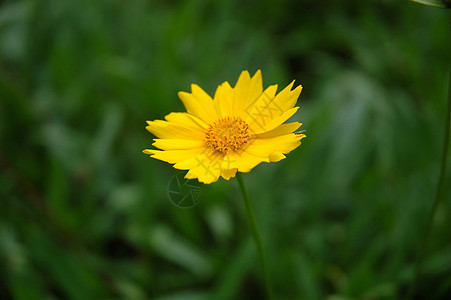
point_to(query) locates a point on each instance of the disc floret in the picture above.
(227, 134)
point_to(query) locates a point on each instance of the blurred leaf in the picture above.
(381, 291)
(232, 275)
(186, 295)
(179, 251)
(74, 277)
(220, 222)
(13, 29)
(436, 3)
(306, 284)
(130, 290)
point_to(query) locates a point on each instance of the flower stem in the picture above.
(255, 233)
(439, 195)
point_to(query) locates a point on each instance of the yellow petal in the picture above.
(173, 144)
(247, 89)
(276, 156)
(224, 100)
(280, 130)
(186, 119)
(275, 146)
(258, 126)
(173, 156)
(261, 109)
(227, 174)
(268, 109)
(206, 167)
(242, 160)
(199, 103)
(170, 130)
(287, 98)
(198, 160)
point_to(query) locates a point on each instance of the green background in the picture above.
(85, 215)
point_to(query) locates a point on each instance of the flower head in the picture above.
(235, 131)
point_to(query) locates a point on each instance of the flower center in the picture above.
(229, 133)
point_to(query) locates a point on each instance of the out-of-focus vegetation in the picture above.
(85, 215)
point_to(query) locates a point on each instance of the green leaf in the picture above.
(435, 3)
(176, 249)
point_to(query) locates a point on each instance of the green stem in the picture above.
(439, 195)
(255, 233)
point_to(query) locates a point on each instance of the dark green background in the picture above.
(85, 215)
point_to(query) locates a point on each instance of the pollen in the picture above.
(227, 134)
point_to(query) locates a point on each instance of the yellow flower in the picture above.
(235, 131)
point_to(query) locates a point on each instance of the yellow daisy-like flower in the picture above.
(235, 131)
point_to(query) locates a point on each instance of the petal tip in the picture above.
(147, 151)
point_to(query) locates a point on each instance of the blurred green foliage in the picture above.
(85, 215)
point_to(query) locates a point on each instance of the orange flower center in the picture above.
(229, 133)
